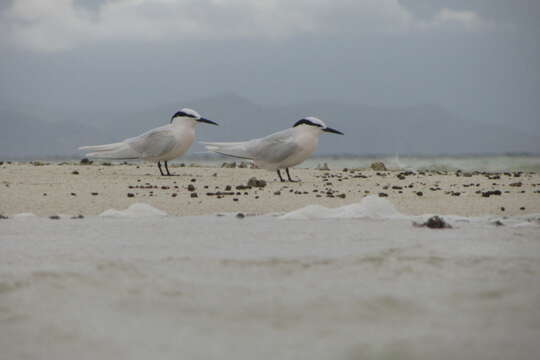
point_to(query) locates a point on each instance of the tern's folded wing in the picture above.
(153, 143)
(273, 148)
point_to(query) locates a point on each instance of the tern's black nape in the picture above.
(306, 122)
(181, 113)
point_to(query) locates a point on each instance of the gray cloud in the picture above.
(64, 24)
(112, 58)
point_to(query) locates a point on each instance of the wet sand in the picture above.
(72, 189)
(260, 287)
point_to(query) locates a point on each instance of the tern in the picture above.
(279, 150)
(163, 143)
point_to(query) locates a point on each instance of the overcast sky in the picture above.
(478, 58)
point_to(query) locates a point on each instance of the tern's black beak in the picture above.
(333, 131)
(207, 121)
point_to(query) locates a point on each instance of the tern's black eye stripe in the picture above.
(181, 113)
(307, 122)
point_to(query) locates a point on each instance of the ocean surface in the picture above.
(527, 163)
(396, 162)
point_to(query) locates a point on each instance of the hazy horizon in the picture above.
(105, 69)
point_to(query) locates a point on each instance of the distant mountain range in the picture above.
(421, 129)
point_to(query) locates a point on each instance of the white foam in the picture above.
(374, 207)
(23, 215)
(371, 206)
(134, 211)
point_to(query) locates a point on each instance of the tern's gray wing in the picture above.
(273, 148)
(153, 143)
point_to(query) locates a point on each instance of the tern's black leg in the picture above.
(289, 176)
(279, 174)
(159, 166)
(167, 168)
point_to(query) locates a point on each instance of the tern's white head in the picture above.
(312, 123)
(189, 116)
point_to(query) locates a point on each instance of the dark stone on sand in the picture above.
(228, 188)
(497, 223)
(3, 217)
(75, 172)
(235, 199)
(341, 196)
(516, 184)
(277, 192)
(73, 194)
(130, 195)
(491, 192)
(95, 194)
(522, 208)
(191, 187)
(434, 222)
(419, 193)
(254, 182)
(54, 217)
(378, 166)
(175, 194)
(77, 217)
(381, 194)
(86, 161)
(240, 216)
(231, 165)
(194, 195)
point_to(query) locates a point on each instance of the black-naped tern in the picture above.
(280, 150)
(163, 143)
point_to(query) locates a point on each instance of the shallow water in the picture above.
(396, 162)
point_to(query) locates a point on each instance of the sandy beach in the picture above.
(91, 189)
(328, 268)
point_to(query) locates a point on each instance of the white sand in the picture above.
(54, 189)
(267, 288)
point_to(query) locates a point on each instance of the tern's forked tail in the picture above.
(234, 149)
(118, 151)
